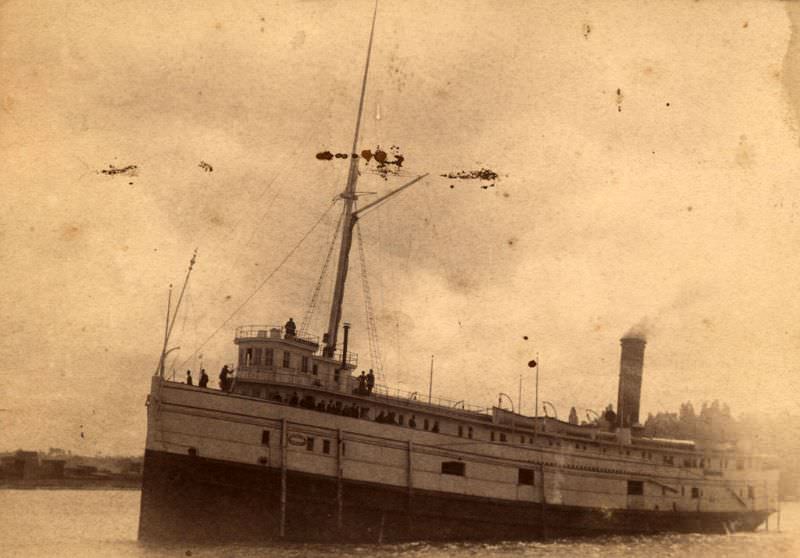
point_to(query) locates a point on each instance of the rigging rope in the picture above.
(261, 285)
(372, 328)
(312, 306)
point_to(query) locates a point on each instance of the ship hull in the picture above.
(191, 498)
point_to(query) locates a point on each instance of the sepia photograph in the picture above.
(399, 278)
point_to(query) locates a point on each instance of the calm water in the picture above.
(102, 523)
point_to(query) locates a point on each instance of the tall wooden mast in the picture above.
(349, 197)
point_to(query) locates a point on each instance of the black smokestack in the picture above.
(630, 380)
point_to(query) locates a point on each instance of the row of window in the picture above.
(636, 488)
(524, 476)
(433, 426)
(266, 357)
(310, 442)
(459, 469)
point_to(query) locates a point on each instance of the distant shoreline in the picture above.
(77, 484)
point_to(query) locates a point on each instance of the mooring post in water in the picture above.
(284, 448)
(339, 496)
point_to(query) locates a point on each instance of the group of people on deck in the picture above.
(224, 380)
(366, 383)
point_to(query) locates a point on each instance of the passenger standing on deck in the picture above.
(370, 382)
(362, 383)
(291, 328)
(188, 377)
(203, 378)
(223, 378)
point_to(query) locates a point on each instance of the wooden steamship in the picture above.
(298, 450)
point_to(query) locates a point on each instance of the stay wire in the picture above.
(261, 285)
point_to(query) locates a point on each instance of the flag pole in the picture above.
(537, 366)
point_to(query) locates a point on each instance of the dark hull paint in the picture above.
(189, 498)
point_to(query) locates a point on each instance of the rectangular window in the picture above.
(257, 357)
(695, 492)
(453, 468)
(304, 364)
(635, 488)
(502, 437)
(402, 420)
(469, 432)
(751, 492)
(265, 437)
(310, 443)
(286, 359)
(326, 446)
(426, 424)
(314, 369)
(268, 357)
(525, 476)
(492, 435)
(460, 431)
(248, 357)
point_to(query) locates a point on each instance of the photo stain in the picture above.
(205, 166)
(385, 162)
(482, 174)
(70, 232)
(619, 100)
(130, 170)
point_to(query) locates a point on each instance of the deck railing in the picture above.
(273, 332)
(391, 394)
(414, 397)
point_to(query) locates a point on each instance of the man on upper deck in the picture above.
(370, 382)
(291, 328)
(223, 378)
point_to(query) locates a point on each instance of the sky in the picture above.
(647, 161)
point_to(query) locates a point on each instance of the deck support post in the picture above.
(339, 495)
(410, 483)
(282, 525)
(542, 503)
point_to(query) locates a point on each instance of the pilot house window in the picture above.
(304, 364)
(635, 488)
(257, 356)
(267, 357)
(453, 468)
(525, 477)
(286, 359)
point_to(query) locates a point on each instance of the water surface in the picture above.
(102, 523)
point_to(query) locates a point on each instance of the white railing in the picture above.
(395, 395)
